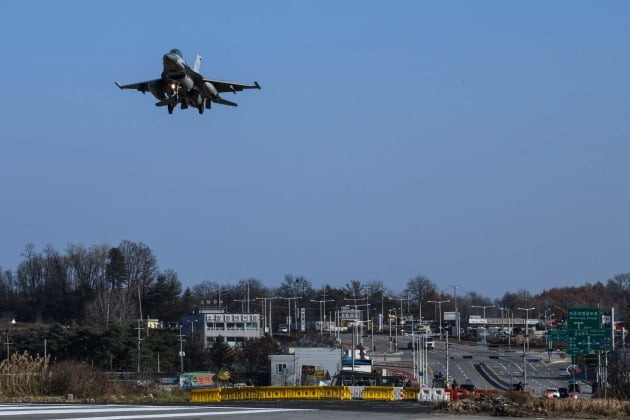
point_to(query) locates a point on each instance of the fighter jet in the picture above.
(179, 84)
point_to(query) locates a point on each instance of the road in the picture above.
(349, 410)
(485, 368)
(352, 411)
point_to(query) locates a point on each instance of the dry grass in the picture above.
(22, 375)
(611, 408)
(515, 404)
(30, 378)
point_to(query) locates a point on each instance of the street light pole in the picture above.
(267, 319)
(484, 309)
(439, 304)
(289, 299)
(457, 321)
(524, 343)
(322, 314)
(485, 322)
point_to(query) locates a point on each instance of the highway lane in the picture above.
(505, 366)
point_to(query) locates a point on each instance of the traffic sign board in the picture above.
(584, 341)
(583, 318)
(558, 335)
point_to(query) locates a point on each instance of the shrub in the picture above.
(79, 379)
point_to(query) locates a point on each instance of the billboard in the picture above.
(348, 314)
(197, 380)
(450, 316)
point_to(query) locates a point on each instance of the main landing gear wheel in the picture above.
(170, 108)
(200, 108)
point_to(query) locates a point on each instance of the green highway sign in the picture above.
(585, 341)
(584, 318)
(558, 335)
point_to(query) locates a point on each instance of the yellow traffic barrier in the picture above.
(284, 393)
(278, 392)
(231, 394)
(378, 393)
(411, 394)
(205, 395)
(250, 393)
(332, 392)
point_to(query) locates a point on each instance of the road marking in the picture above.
(42, 406)
(57, 410)
(118, 412)
(193, 414)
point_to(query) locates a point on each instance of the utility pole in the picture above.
(139, 328)
(181, 349)
(45, 354)
(6, 335)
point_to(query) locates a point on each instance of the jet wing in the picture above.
(141, 86)
(223, 86)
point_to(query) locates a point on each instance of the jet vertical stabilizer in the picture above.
(197, 65)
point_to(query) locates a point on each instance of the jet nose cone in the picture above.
(173, 61)
(171, 57)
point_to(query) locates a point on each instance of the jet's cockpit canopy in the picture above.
(175, 51)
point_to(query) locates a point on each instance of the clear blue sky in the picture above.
(485, 144)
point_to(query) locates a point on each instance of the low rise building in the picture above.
(305, 366)
(209, 323)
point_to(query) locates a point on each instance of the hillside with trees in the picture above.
(86, 303)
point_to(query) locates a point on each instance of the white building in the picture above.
(305, 366)
(209, 323)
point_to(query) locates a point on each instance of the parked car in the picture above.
(552, 393)
(564, 392)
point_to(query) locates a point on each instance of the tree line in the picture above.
(103, 285)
